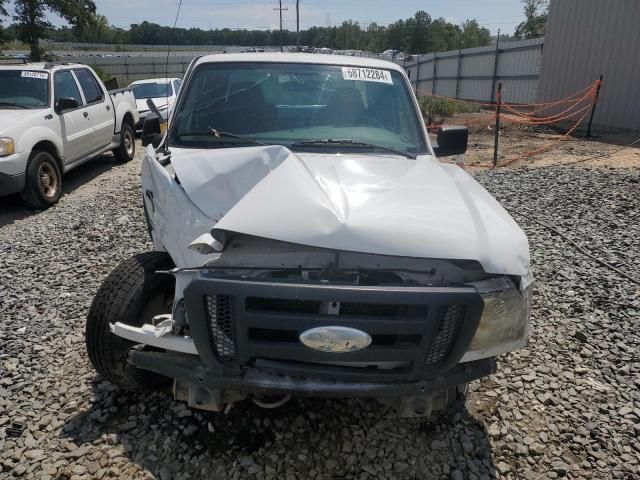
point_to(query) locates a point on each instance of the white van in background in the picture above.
(163, 92)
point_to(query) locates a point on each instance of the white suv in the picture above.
(54, 117)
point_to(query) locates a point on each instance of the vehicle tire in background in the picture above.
(132, 294)
(127, 148)
(43, 182)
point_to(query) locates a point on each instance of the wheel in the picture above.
(127, 148)
(43, 183)
(132, 294)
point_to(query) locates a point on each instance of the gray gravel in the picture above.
(565, 406)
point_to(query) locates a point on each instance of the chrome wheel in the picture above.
(48, 180)
(128, 142)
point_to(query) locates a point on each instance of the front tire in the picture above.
(127, 148)
(133, 294)
(43, 183)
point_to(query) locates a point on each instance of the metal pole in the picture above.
(593, 109)
(281, 49)
(297, 25)
(497, 132)
(495, 69)
(417, 74)
(435, 74)
(458, 74)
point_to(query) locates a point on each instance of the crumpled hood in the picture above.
(362, 202)
(13, 122)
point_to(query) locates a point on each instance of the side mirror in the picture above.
(452, 140)
(151, 131)
(66, 103)
(152, 106)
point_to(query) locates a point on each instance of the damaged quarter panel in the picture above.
(175, 220)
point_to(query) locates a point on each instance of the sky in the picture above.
(260, 14)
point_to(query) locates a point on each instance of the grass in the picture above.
(434, 107)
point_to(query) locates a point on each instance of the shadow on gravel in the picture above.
(12, 208)
(313, 438)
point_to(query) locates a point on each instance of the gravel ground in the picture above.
(565, 406)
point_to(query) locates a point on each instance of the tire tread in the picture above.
(123, 288)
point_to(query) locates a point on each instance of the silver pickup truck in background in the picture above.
(53, 118)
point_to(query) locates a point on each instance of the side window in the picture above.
(92, 93)
(64, 85)
(176, 86)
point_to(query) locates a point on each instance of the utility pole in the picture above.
(281, 9)
(297, 25)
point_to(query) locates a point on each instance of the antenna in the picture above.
(166, 70)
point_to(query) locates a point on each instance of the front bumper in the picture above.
(13, 173)
(189, 369)
(246, 336)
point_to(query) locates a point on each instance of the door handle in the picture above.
(108, 107)
(85, 114)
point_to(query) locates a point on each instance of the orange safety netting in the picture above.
(547, 147)
(579, 104)
(591, 94)
(546, 105)
(544, 121)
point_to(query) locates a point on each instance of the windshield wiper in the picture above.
(220, 134)
(329, 142)
(10, 104)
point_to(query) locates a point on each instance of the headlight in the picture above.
(7, 147)
(504, 325)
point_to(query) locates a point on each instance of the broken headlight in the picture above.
(504, 325)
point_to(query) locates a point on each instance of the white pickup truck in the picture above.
(54, 117)
(308, 242)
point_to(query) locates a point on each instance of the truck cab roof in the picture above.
(42, 66)
(317, 59)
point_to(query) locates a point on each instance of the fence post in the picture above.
(495, 69)
(593, 108)
(435, 74)
(458, 74)
(497, 132)
(417, 74)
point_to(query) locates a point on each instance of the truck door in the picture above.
(99, 108)
(75, 127)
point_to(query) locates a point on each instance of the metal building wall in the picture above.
(469, 74)
(129, 69)
(586, 38)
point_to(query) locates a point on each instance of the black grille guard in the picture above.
(427, 316)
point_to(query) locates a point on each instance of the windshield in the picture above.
(151, 90)
(23, 89)
(296, 104)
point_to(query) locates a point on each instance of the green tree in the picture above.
(95, 30)
(444, 36)
(473, 35)
(31, 16)
(536, 13)
(3, 34)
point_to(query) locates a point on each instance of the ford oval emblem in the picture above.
(335, 339)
